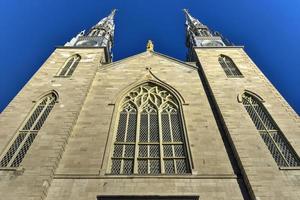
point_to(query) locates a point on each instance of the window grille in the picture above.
(149, 138)
(70, 66)
(229, 67)
(278, 146)
(28, 132)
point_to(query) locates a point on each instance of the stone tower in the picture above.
(100, 35)
(149, 126)
(262, 130)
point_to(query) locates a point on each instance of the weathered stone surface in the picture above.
(70, 157)
(265, 178)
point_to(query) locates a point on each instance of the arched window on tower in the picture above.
(29, 130)
(282, 152)
(102, 32)
(94, 32)
(204, 33)
(69, 66)
(229, 67)
(150, 137)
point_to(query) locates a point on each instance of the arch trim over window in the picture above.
(153, 80)
(44, 94)
(240, 96)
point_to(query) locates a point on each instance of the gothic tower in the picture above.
(149, 126)
(261, 128)
(100, 35)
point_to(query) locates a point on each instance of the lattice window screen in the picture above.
(124, 147)
(160, 146)
(28, 132)
(278, 146)
(70, 66)
(229, 67)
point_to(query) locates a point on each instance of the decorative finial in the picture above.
(150, 46)
(112, 14)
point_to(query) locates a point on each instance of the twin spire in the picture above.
(102, 35)
(105, 24)
(191, 21)
(199, 35)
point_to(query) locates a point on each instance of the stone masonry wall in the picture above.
(32, 179)
(84, 170)
(263, 176)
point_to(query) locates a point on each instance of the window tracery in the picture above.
(155, 144)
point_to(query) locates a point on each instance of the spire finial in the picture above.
(190, 20)
(109, 18)
(150, 46)
(186, 11)
(199, 35)
(112, 14)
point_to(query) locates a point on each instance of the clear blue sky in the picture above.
(270, 31)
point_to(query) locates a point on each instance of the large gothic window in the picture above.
(278, 146)
(69, 66)
(229, 67)
(26, 135)
(150, 138)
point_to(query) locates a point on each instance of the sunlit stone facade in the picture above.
(149, 126)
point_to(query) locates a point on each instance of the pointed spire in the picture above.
(199, 35)
(194, 26)
(100, 35)
(108, 19)
(191, 21)
(104, 26)
(112, 14)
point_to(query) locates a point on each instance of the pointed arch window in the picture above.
(150, 138)
(282, 152)
(94, 32)
(229, 67)
(69, 66)
(26, 135)
(204, 33)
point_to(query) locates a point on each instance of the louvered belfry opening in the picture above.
(70, 66)
(229, 67)
(28, 132)
(277, 144)
(149, 138)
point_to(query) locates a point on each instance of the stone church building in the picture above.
(149, 126)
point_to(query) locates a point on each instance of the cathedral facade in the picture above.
(149, 126)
